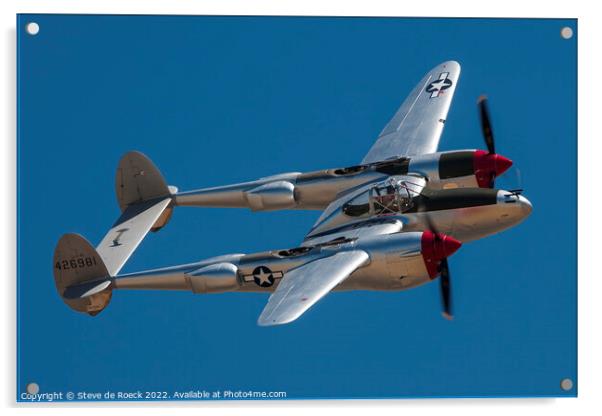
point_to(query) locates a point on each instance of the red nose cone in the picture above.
(446, 245)
(488, 166)
(435, 248)
(502, 164)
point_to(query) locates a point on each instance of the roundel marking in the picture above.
(263, 276)
(438, 86)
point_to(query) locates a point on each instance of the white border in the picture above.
(590, 276)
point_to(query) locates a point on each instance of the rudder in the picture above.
(80, 275)
(138, 180)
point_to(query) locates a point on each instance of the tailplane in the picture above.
(83, 274)
(146, 205)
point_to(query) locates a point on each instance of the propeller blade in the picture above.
(431, 226)
(492, 181)
(486, 124)
(445, 286)
(516, 181)
(444, 278)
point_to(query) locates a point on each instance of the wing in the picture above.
(128, 231)
(416, 127)
(304, 286)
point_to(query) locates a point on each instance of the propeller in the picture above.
(490, 164)
(444, 277)
(486, 124)
(511, 181)
(445, 289)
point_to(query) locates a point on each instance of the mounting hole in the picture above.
(566, 32)
(32, 28)
(33, 388)
(566, 384)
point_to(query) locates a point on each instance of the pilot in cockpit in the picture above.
(392, 198)
(384, 199)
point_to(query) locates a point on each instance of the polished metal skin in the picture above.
(464, 214)
(315, 190)
(394, 263)
(387, 224)
(416, 127)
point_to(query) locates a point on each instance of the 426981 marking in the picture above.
(75, 263)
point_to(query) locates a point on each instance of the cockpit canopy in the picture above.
(389, 197)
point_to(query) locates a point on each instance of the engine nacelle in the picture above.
(272, 196)
(215, 278)
(460, 168)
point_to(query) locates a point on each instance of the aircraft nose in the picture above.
(525, 205)
(517, 206)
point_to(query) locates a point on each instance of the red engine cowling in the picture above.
(480, 164)
(488, 166)
(436, 247)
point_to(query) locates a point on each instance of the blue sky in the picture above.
(216, 100)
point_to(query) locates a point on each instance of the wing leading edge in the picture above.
(417, 126)
(304, 286)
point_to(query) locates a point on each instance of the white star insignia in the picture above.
(436, 86)
(263, 277)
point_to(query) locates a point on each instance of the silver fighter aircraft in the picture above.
(389, 223)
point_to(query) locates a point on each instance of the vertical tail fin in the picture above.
(145, 202)
(138, 180)
(80, 275)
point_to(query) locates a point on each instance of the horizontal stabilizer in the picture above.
(83, 275)
(86, 289)
(129, 231)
